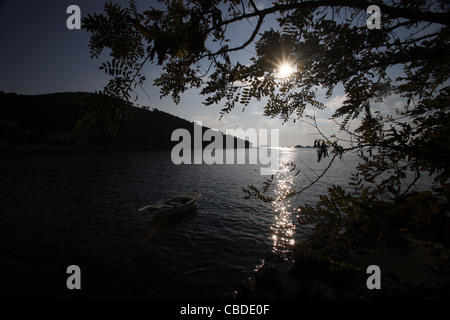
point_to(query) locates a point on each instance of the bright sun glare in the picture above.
(285, 70)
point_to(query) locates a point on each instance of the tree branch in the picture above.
(393, 12)
(250, 40)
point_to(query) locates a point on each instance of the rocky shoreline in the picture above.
(416, 270)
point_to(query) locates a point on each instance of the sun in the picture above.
(285, 70)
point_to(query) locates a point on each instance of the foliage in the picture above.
(330, 46)
(100, 105)
(361, 218)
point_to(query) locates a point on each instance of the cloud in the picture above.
(336, 102)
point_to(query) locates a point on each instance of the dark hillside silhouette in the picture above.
(49, 120)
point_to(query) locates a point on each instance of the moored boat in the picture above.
(174, 205)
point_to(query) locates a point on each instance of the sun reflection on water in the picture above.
(283, 229)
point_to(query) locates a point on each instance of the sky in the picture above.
(41, 55)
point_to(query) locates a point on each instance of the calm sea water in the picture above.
(82, 210)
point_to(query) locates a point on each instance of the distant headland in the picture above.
(47, 122)
(300, 146)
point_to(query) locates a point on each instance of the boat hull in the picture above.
(174, 205)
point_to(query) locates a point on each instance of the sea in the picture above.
(61, 210)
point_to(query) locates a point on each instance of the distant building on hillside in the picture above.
(71, 137)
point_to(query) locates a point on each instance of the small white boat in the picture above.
(174, 205)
